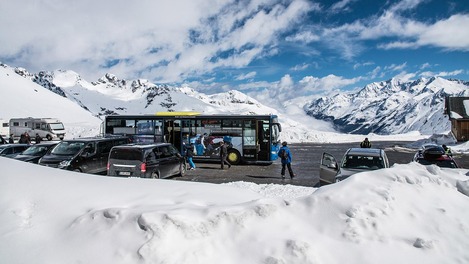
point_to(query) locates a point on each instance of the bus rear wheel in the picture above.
(234, 157)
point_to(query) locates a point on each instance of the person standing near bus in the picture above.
(285, 155)
(189, 155)
(224, 155)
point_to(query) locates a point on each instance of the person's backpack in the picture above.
(283, 154)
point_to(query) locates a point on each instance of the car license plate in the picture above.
(124, 173)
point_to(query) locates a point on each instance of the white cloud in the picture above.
(405, 76)
(396, 67)
(327, 83)
(441, 74)
(425, 66)
(300, 67)
(451, 33)
(305, 37)
(341, 5)
(164, 39)
(358, 65)
(246, 76)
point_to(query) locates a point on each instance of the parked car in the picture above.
(35, 152)
(354, 160)
(11, 150)
(88, 155)
(430, 154)
(146, 161)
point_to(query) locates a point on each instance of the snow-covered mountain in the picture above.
(391, 107)
(110, 95)
(358, 113)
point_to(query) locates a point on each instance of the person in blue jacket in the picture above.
(286, 158)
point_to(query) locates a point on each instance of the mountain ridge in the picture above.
(391, 106)
(382, 108)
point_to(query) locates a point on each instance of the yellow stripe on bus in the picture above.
(180, 113)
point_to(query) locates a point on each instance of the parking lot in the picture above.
(306, 158)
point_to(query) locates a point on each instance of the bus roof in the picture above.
(190, 115)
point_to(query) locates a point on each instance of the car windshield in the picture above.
(362, 162)
(35, 150)
(68, 148)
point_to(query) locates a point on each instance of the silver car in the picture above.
(355, 160)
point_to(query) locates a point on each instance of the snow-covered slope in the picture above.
(111, 95)
(22, 98)
(391, 107)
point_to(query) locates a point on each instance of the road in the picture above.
(306, 158)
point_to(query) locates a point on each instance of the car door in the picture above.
(164, 161)
(328, 168)
(90, 159)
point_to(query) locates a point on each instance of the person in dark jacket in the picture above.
(365, 143)
(11, 140)
(224, 155)
(285, 155)
(38, 138)
(189, 155)
(2, 141)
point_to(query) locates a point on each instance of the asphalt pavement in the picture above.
(306, 159)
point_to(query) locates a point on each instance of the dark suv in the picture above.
(430, 154)
(146, 161)
(83, 154)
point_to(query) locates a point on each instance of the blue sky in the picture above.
(266, 48)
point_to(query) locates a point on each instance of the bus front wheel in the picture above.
(49, 137)
(234, 157)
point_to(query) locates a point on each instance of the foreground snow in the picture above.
(406, 214)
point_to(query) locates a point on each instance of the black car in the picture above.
(430, 154)
(35, 152)
(11, 150)
(146, 161)
(83, 154)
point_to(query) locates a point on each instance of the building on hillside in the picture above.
(457, 109)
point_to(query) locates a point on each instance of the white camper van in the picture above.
(49, 128)
(4, 128)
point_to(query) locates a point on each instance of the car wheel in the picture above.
(182, 169)
(49, 137)
(77, 170)
(234, 157)
(155, 175)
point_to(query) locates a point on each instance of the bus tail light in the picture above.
(143, 167)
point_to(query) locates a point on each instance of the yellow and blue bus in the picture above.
(251, 138)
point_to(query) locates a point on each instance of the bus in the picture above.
(252, 139)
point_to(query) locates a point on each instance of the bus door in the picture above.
(263, 137)
(172, 132)
(250, 146)
(188, 134)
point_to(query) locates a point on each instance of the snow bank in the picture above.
(408, 213)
